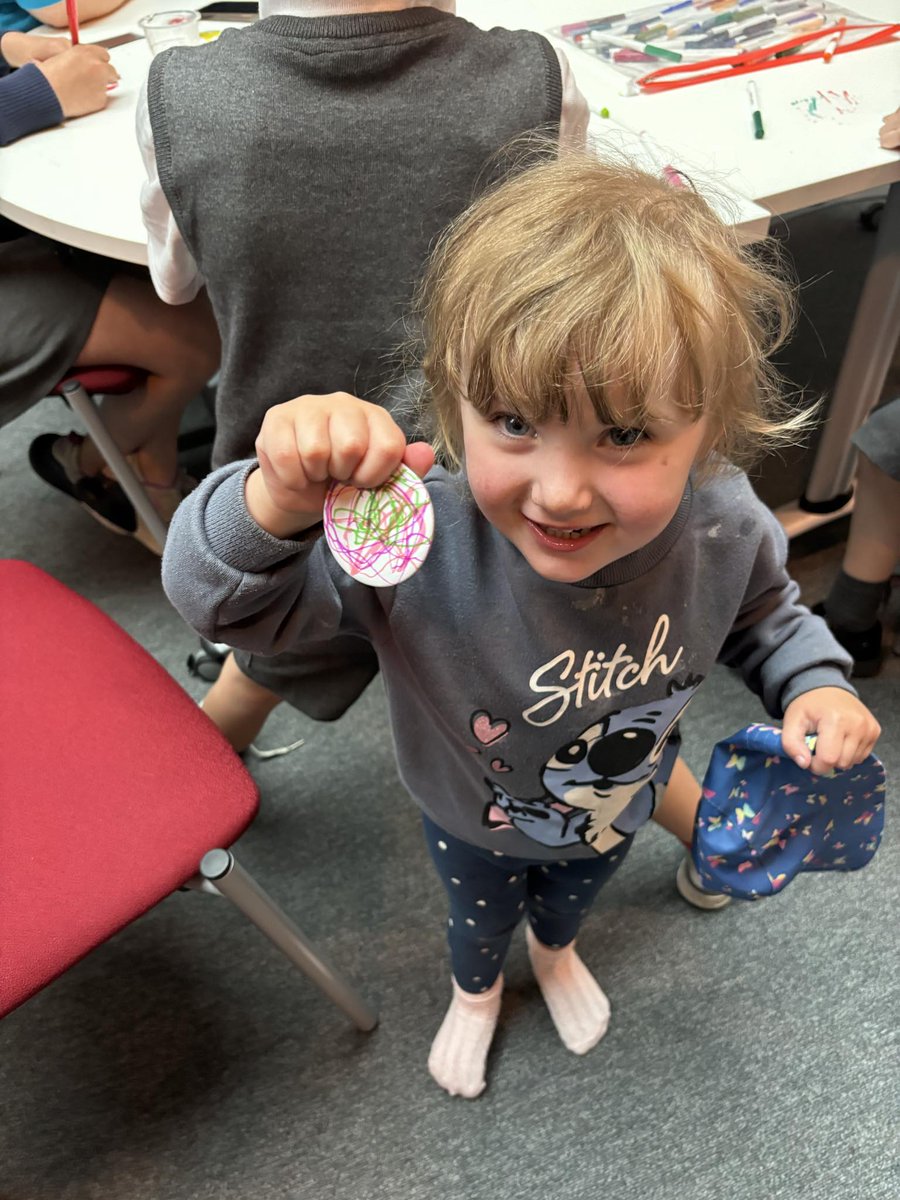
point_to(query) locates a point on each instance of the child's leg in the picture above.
(179, 348)
(238, 705)
(559, 896)
(321, 681)
(676, 811)
(855, 598)
(873, 543)
(487, 899)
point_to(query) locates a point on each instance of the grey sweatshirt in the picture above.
(529, 716)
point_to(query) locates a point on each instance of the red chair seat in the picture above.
(104, 381)
(114, 783)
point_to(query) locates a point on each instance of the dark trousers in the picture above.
(490, 892)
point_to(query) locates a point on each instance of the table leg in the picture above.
(876, 328)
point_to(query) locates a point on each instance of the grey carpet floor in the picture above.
(752, 1053)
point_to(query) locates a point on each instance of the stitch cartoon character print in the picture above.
(599, 784)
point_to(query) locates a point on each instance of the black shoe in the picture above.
(55, 459)
(206, 663)
(865, 647)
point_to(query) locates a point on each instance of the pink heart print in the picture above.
(497, 764)
(486, 730)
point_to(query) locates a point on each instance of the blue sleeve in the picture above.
(14, 16)
(27, 103)
(27, 5)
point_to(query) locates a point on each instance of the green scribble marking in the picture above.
(381, 518)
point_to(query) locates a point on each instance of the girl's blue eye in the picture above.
(622, 438)
(513, 425)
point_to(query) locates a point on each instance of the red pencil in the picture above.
(72, 17)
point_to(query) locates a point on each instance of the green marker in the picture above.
(662, 52)
(758, 130)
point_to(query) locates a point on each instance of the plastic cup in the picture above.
(165, 29)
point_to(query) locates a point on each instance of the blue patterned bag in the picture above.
(762, 819)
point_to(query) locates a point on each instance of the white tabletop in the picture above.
(80, 182)
(803, 159)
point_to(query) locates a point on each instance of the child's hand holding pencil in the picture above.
(81, 77)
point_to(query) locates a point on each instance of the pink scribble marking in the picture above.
(382, 535)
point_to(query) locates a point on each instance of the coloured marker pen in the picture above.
(685, 28)
(662, 52)
(620, 55)
(833, 42)
(587, 26)
(601, 37)
(720, 34)
(746, 32)
(809, 26)
(758, 130)
(672, 176)
(647, 35)
(720, 37)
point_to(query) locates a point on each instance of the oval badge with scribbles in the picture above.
(382, 535)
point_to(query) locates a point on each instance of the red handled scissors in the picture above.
(763, 58)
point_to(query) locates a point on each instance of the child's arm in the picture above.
(790, 658)
(231, 566)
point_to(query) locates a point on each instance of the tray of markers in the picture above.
(695, 31)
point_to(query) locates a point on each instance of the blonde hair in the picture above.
(582, 265)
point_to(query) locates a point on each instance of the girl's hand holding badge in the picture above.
(342, 458)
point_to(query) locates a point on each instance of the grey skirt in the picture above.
(879, 438)
(49, 296)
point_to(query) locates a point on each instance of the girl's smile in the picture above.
(565, 541)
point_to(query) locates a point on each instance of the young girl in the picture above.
(596, 343)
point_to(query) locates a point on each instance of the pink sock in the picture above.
(459, 1052)
(577, 1003)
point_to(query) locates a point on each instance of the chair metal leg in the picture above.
(219, 868)
(82, 403)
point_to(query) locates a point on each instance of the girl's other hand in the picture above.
(845, 730)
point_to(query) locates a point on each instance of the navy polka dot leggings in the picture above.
(490, 892)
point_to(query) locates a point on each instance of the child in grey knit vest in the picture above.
(596, 352)
(301, 168)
